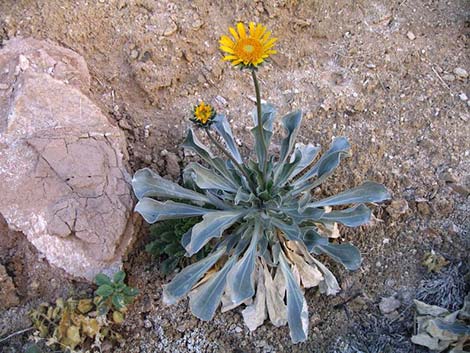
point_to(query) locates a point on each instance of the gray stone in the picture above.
(411, 35)
(64, 184)
(460, 73)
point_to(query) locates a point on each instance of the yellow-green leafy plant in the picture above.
(77, 325)
(265, 228)
(71, 325)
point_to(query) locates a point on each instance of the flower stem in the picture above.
(260, 123)
(229, 156)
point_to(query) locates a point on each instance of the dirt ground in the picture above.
(382, 73)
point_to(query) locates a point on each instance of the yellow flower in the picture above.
(248, 50)
(203, 114)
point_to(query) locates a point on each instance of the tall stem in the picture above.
(260, 122)
(229, 156)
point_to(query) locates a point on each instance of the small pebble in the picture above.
(388, 305)
(411, 35)
(3, 86)
(460, 73)
(147, 324)
(448, 77)
(197, 24)
(134, 54)
(397, 208)
(463, 97)
(172, 28)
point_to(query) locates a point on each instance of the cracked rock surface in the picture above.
(64, 184)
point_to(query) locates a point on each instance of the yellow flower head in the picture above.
(248, 50)
(203, 114)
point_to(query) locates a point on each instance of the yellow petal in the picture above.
(260, 30)
(252, 29)
(227, 49)
(259, 61)
(241, 30)
(266, 36)
(234, 33)
(270, 44)
(224, 40)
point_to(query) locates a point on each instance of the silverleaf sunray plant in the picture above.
(265, 228)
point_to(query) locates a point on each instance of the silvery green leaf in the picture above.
(346, 254)
(263, 246)
(205, 299)
(255, 313)
(154, 211)
(367, 192)
(212, 226)
(222, 127)
(268, 113)
(311, 214)
(312, 238)
(217, 200)
(292, 231)
(303, 200)
(226, 300)
(350, 217)
(291, 123)
(284, 171)
(338, 146)
(188, 180)
(192, 143)
(186, 239)
(146, 183)
(188, 277)
(277, 309)
(261, 151)
(208, 179)
(227, 303)
(243, 196)
(297, 312)
(241, 277)
(308, 153)
(324, 167)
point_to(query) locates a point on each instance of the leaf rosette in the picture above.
(265, 229)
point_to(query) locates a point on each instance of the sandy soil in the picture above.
(381, 73)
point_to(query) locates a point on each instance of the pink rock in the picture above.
(63, 180)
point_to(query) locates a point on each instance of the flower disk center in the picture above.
(249, 50)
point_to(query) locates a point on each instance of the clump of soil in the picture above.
(386, 74)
